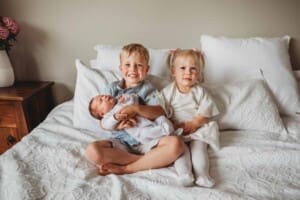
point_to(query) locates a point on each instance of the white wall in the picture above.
(54, 33)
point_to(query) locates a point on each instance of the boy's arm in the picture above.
(147, 111)
(121, 125)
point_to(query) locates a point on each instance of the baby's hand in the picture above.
(121, 99)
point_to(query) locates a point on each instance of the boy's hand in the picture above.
(126, 124)
(127, 112)
(120, 116)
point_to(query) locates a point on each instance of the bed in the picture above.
(256, 161)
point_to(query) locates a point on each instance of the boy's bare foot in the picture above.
(116, 169)
(102, 170)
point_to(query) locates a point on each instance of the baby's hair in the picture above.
(91, 110)
(136, 48)
(194, 53)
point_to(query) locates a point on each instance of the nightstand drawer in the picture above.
(22, 107)
(7, 115)
(7, 138)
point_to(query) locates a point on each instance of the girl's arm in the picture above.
(192, 125)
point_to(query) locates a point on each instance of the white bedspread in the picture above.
(49, 163)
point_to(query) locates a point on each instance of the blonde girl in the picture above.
(191, 108)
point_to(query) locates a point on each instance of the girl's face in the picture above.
(185, 72)
(134, 68)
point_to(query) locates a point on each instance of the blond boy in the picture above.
(115, 155)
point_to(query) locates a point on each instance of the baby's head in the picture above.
(134, 59)
(186, 66)
(100, 105)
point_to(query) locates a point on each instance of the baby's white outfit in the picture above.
(146, 130)
(182, 107)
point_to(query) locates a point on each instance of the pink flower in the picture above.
(9, 30)
(4, 33)
(11, 25)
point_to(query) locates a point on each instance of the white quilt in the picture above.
(49, 163)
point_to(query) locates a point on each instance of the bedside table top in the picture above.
(22, 90)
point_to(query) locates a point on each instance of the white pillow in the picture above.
(227, 59)
(108, 57)
(247, 105)
(91, 82)
(233, 100)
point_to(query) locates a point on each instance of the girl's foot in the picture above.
(186, 180)
(205, 181)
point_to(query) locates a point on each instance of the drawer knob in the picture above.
(11, 140)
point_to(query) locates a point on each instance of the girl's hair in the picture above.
(196, 54)
(136, 48)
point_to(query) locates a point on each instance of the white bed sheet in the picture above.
(49, 163)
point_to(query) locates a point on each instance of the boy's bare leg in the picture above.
(167, 150)
(101, 152)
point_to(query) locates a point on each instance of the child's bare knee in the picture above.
(93, 153)
(176, 145)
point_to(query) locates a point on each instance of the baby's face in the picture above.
(102, 104)
(185, 72)
(134, 68)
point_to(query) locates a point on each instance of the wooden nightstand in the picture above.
(22, 107)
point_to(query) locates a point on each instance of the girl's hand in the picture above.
(190, 127)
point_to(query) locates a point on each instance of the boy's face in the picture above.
(102, 104)
(134, 68)
(185, 72)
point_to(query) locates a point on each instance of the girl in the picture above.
(190, 107)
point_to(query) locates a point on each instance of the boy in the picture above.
(114, 155)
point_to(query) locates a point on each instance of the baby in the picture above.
(106, 107)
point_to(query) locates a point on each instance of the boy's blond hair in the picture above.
(194, 53)
(136, 48)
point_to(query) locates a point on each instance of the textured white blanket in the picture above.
(49, 163)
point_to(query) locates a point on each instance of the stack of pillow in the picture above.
(250, 79)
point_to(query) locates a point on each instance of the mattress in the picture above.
(50, 163)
